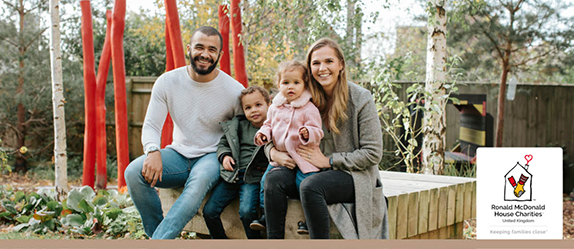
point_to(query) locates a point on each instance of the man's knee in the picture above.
(133, 171)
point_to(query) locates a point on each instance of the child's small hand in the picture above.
(260, 139)
(228, 163)
(304, 133)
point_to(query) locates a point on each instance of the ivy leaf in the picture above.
(20, 227)
(74, 199)
(19, 196)
(113, 213)
(100, 201)
(65, 212)
(85, 206)
(87, 192)
(54, 206)
(74, 220)
(23, 219)
(6, 215)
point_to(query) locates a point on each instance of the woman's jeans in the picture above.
(317, 191)
(221, 196)
(196, 175)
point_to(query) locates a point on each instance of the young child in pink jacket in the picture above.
(292, 119)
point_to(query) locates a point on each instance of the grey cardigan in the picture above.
(358, 149)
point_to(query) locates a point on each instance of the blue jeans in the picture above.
(299, 177)
(221, 196)
(196, 175)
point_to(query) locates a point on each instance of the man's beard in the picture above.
(203, 71)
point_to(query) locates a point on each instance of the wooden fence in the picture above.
(540, 114)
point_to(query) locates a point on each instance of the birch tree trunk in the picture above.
(60, 156)
(434, 121)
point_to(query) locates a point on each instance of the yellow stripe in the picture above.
(472, 136)
(463, 102)
(478, 107)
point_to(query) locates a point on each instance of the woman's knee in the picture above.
(276, 178)
(309, 189)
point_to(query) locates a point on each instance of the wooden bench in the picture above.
(420, 207)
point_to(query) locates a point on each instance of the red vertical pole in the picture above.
(119, 72)
(101, 78)
(89, 94)
(174, 50)
(224, 63)
(167, 131)
(238, 55)
(174, 33)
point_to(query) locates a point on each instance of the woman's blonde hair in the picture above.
(289, 66)
(332, 110)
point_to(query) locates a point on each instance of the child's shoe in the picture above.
(302, 228)
(258, 225)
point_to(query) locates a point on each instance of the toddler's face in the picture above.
(291, 84)
(255, 108)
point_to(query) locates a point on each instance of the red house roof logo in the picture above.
(518, 182)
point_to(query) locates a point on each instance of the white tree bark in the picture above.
(60, 156)
(434, 122)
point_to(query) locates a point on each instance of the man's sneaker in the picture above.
(258, 225)
(302, 228)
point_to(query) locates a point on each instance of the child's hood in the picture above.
(301, 101)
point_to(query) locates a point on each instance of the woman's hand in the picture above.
(282, 158)
(314, 156)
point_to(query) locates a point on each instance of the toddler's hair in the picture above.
(252, 89)
(292, 65)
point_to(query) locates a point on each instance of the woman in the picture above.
(348, 156)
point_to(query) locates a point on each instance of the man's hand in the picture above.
(228, 163)
(261, 139)
(304, 133)
(152, 168)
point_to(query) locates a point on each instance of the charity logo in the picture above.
(518, 182)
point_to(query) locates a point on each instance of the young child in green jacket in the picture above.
(242, 165)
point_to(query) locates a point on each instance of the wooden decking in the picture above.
(420, 207)
(428, 206)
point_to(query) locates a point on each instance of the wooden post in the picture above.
(238, 54)
(224, 62)
(101, 79)
(89, 95)
(118, 25)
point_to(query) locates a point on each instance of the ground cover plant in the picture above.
(84, 213)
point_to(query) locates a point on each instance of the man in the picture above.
(198, 97)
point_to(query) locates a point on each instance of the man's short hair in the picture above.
(209, 31)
